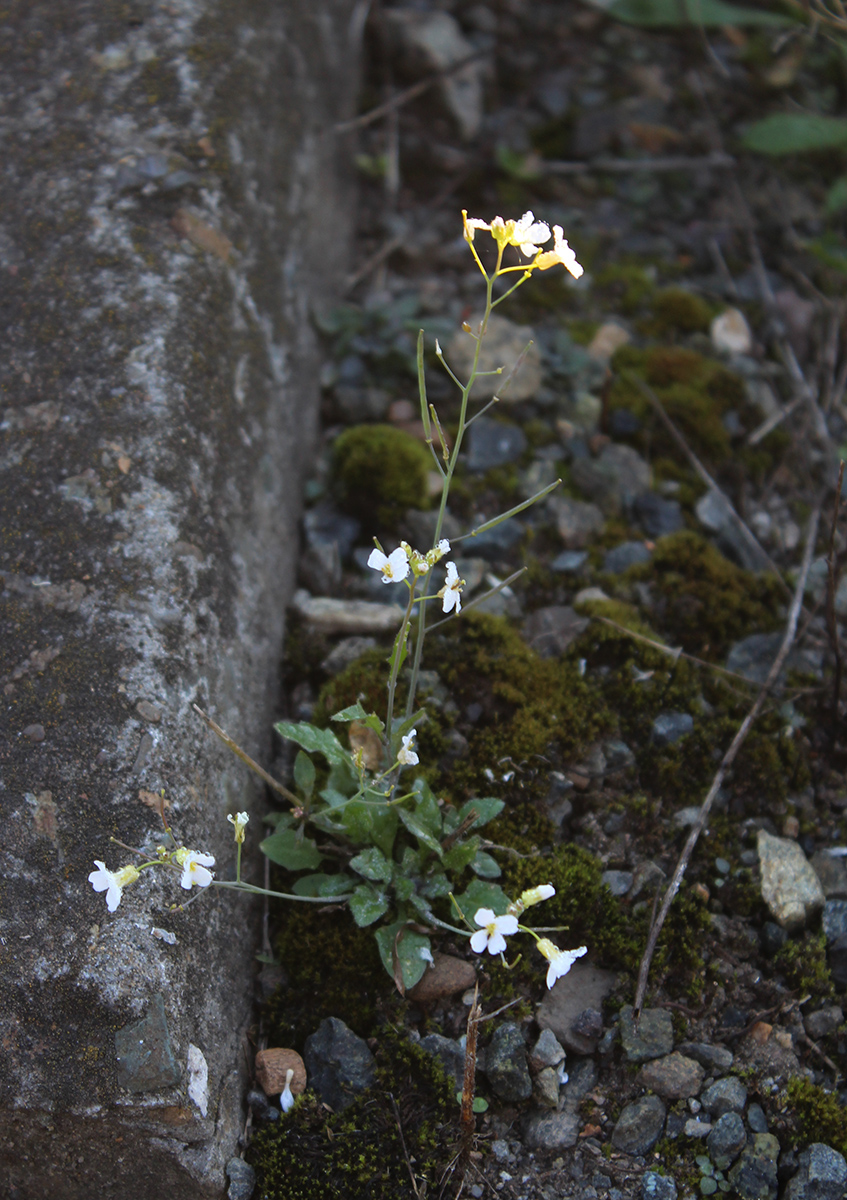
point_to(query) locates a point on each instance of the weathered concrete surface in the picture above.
(169, 210)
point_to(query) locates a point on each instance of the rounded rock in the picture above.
(673, 1077)
(506, 1066)
(272, 1066)
(657, 1187)
(727, 1095)
(639, 1126)
(727, 1139)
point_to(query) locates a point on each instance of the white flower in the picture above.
(526, 232)
(239, 821)
(407, 757)
(394, 567)
(194, 866)
(437, 552)
(561, 253)
(112, 882)
(286, 1100)
(492, 936)
(560, 961)
(451, 594)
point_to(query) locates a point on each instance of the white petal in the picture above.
(496, 944)
(484, 916)
(479, 941)
(377, 559)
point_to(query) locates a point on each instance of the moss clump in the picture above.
(625, 286)
(381, 471)
(676, 309)
(707, 602)
(803, 963)
(360, 1153)
(818, 1115)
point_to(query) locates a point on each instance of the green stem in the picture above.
(399, 642)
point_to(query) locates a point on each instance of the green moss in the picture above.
(624, 286)
(381, 471)
(818, 1115)
(677, 310)
(803, 963)
(365, 1152)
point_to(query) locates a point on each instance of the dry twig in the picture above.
(831, 624)
(727, 761)
(245, 758)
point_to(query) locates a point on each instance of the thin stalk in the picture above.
(399, 643)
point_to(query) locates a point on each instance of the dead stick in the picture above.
(673, 652)
(245, 758)
(727, 761)
(678, 162)
(831, 625)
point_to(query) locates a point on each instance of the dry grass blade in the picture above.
(831, 624)
(727, 760)
(245, 758)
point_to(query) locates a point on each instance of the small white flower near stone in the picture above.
(561, 253)
(394, 566)
(112, 882)
(194, 868)
(492, 936)
(239, 823)
(286, 1099)
(560, 961)
(406, 756)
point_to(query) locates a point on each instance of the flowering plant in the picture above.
(404, 849)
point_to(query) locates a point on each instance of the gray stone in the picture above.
(618, 756)
(774, 938)
(549, 631)
(790, 887)
(144, 1052)
(345, 653)
(618, 882)
(503, 345)
(727, 1139)
(569, 561)
(430, 42)
(651, 1038)
(726, 1095)
(822, 1175)
(639, 1126)
(669, 727)
(506, 1065)
(449, 1053)
(160, 394)
(613, 479)
(494, 444)
(716, 1059)
(754, 1175)
(823, 1022)
(716, 514)
(754, 656)
(837, 955)
(492, 544)
(547, 1051)
(624, 556)
(328, 615)
(756, 1119)
(695, 1128)
(832, 873)
(657, 1187)
(576, 520)
(551, 1130)
(340, 1064)
(834, 919)
(585, 986)
(673, 1077)
(657, 516)
(242, 1179)
(545, 1087)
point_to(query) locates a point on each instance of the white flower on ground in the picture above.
(525, 233)
(560, 961)
(286, 1100)
(394, 566)
(561, 253)
(451, 594)
(194, 872)
(407, 757)
(239, 821)
(532, 896)
(492, 936)
(112, 882)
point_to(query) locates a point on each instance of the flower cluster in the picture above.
(528, 235)
(395, 567)
(494, 930)
(195, 872)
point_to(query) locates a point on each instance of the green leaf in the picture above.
(458, 856)
(404, 953)
(367, 904)
(371, 824)
(287, 848)
(480, 1104)
(487, 808)
(836, 197)
(437, 885)
(384, 824)
(304, 774)
(344, 778)
(426, 807)
(704, 1163)
(373, 864)
(421, 905)
(486, 866)
(402, 725)
(479, 894)
(710, 14)
(404, 888)
(796, 133)
(400, 648)
(708, 1186)
(332, 797)
(316, 741)
(323, 885)
(356, 712)
(419, 830)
